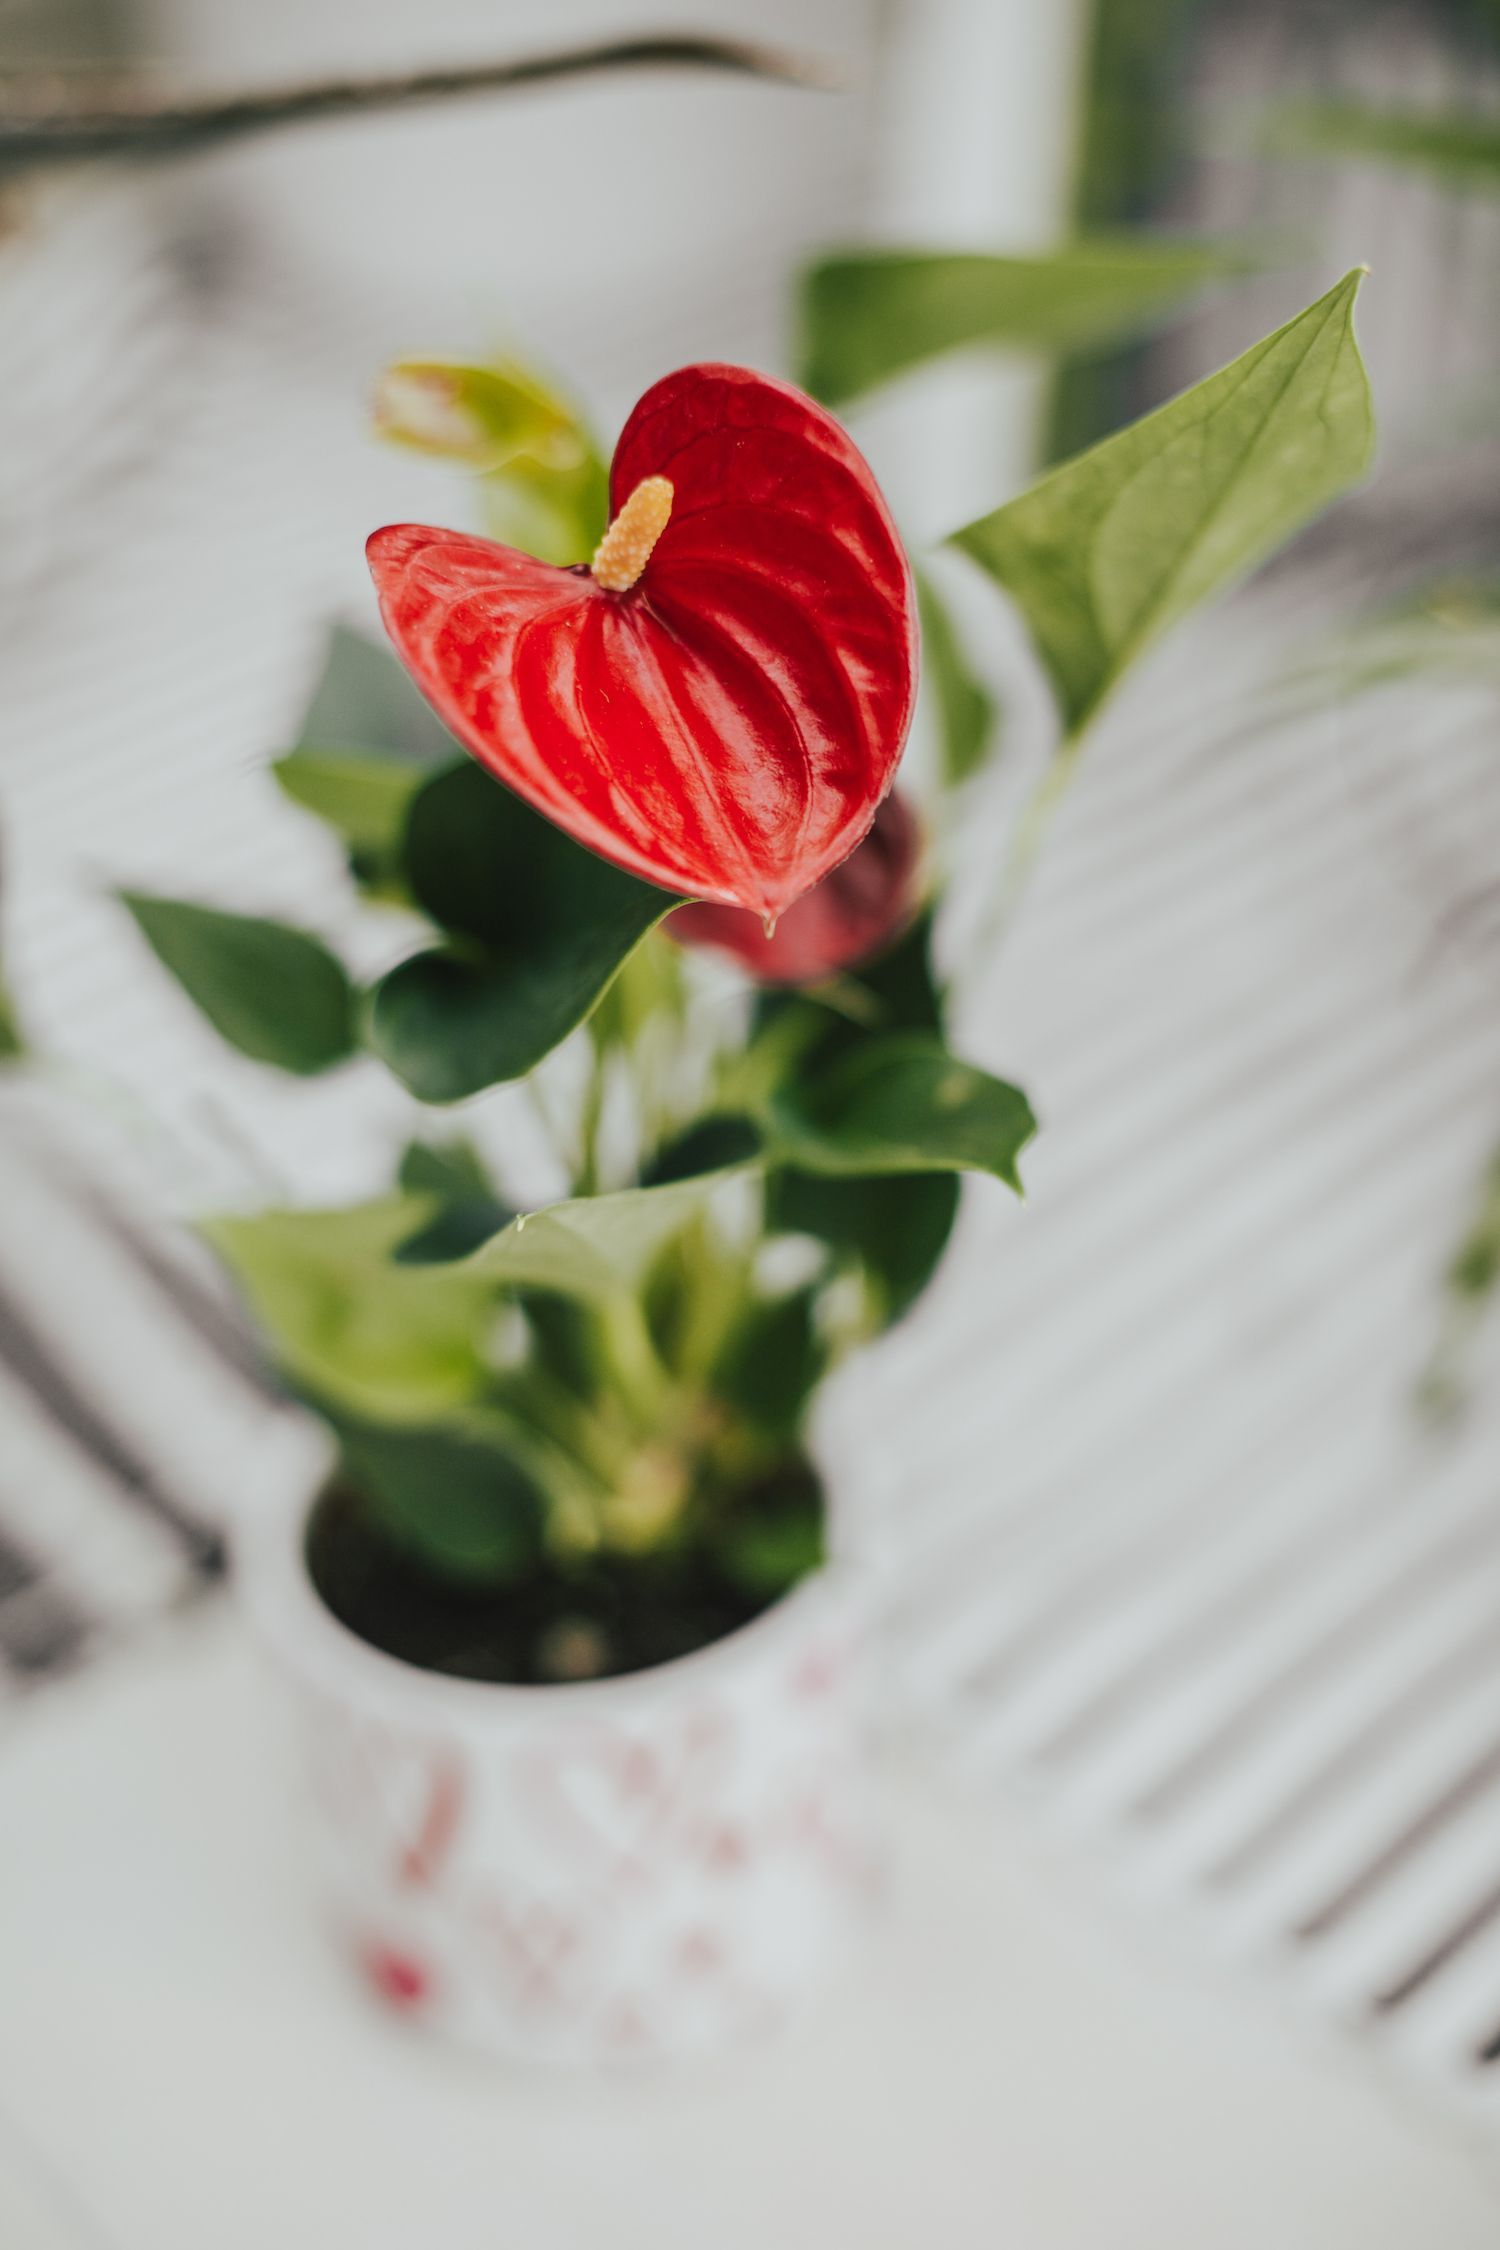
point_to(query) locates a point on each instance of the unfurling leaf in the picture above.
(1113, 547)
(277, 994)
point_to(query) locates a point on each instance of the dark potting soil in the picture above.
(585, 1624)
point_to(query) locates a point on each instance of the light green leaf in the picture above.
(966, 709)
(386, 1342)
(594, 1246)
(868, 315)
(364, 797)
(1463, 149)
(277, 994)
(1112, 548)
(543, 927)
(902, 1103)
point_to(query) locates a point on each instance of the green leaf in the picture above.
(893, 1231)
(902, 1103)
(1112, 548)
(352, 1329)
(277, 994)
(467, 1209)
(362, 796)
(868, 315)
(594, 1246)
(1462, 148)
(544, 927)
(545, 488)
(774, 1360)
(778, 1533)
(456, 1501)
(966, 709)
(366, 700)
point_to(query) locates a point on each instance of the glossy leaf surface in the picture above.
(277, 994)
(852, 913)
(1113, 547)
(543, 927)
(728, 726)
(870, 314)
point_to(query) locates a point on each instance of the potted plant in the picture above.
(566, 1604)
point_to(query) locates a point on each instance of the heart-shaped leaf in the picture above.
(718, 706)
(544, 927)
(365, 701)
(277, 994)
(902, 1104)
(870, 314)
(1113, 547)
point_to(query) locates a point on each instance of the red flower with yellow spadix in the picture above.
(718, 702)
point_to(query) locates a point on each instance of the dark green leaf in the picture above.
(458, 1503)
(868, 315)
(892, 1230)
(545, 924)
(467, 1210)
(1112, 548)
(966, 709)
(902, 1103)
(773, 1363)
(712, 1144)
(275, 993)
(352, 1329)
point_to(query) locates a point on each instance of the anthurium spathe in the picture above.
(718, 702)
(857, 911)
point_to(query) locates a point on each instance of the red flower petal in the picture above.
(725, 728)
(859, 909)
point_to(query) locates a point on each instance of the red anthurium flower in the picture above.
(718, 702)
(859, 909)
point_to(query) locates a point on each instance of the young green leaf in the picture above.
(966, 709)
(1112, 548)
(277, 994)
(868, 315)
(351, 1328)
(543, 926)
(902, 1103)
(545, 487)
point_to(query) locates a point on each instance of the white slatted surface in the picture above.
(1171, 1555)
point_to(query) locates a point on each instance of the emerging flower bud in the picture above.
(857, 911)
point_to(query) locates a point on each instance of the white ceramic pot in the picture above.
(608, 1872)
